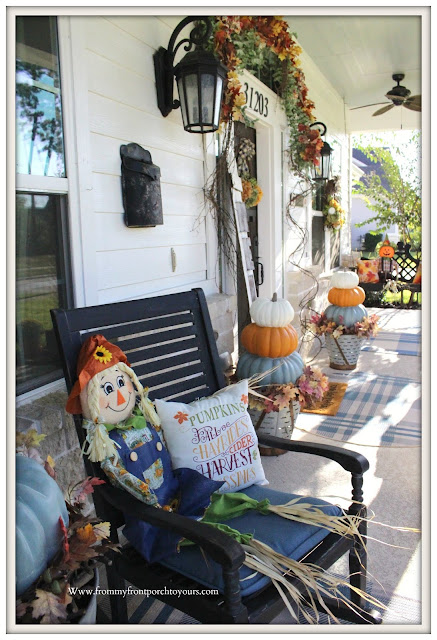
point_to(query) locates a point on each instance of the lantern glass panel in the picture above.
(326, 166)
(207, 88)
(192, 98)
(218, 100)
(317, 170)
(182, 100)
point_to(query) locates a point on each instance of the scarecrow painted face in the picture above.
(116, 395)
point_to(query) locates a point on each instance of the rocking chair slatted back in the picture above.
(167, 343)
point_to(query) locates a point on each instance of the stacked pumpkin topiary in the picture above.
(346, 299)
(271, 344)
(346, 308)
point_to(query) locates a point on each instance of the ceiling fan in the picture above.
(399, 96)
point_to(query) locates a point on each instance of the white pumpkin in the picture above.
(344, 280)
(271, 313)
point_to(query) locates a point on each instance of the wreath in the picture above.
(333, 215)
(252, 192)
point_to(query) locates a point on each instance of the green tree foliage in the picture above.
(400, 202)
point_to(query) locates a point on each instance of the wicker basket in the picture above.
(343, 351)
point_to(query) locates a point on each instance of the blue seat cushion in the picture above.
(292, 539)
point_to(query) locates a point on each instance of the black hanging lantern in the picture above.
(199, 75)
(323, 171)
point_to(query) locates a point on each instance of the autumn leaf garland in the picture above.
(240, 42)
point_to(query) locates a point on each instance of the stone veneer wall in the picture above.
(48, 416)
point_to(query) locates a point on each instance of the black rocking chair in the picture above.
(170, 344)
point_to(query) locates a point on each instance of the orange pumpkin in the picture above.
(346, 297)
(269, 342)
(386, 251)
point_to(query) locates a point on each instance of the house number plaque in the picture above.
(255, 100)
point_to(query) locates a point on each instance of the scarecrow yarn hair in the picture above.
(93, 398)
(145, 404)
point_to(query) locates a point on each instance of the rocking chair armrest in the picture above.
(351, 461)
(224, 550)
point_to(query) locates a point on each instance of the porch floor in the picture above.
(392, 486)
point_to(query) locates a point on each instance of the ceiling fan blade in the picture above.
(375, 104)
(413, 106)
(414, 100)
(383, 110)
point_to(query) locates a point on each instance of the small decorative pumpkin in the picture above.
(386, 250)
(347, 316)
(346, 297)
(269, 342)
(271, 313)
(39, 505)
(290, 369)
(344, 280)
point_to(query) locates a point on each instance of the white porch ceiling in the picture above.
(358, 55)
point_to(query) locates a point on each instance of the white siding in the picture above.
(118, 80)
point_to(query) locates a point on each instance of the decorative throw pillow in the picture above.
(418, 276)
(368, 270)
(214, 436)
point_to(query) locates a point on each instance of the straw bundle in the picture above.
(317, 582)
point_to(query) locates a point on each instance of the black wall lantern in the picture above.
(199, 77)
(322, 172)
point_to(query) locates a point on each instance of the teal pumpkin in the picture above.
(349, 315)
(39, 504)
(290, 370)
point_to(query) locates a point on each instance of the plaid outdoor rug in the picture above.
(404, 344)
(375, 411)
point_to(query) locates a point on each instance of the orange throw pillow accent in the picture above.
(368, 270)
(418, 276)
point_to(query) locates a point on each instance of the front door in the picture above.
(246, 163)
(242, 133)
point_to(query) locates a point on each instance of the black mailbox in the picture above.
(141, 187)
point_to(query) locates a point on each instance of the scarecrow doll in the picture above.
(124, 435)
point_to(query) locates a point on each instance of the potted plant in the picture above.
(343, 340)
(276, 407)
(68, 552)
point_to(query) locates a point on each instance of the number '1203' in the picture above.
(256, 101)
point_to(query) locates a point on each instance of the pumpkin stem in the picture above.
(275, 297)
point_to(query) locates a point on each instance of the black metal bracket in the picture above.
(164, 58)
